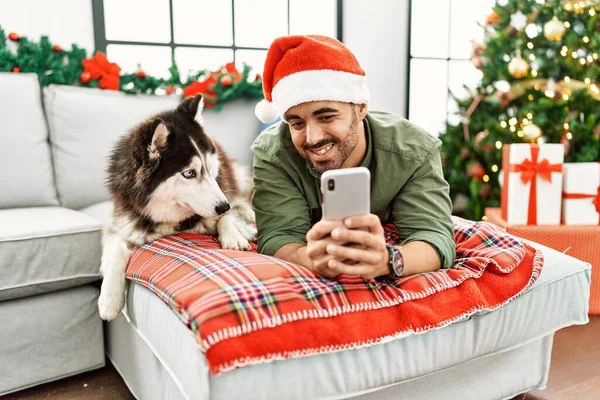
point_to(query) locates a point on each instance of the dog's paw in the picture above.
(110, 303)
(248, 231)
(233, 240)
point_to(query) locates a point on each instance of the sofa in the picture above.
(54, 143)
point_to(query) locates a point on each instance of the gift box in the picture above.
(578, 241)
(581, 194)
(532, 183)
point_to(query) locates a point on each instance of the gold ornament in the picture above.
(531, 132)
(554, 29)
(518, 68)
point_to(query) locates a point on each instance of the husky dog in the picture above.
(168, 176)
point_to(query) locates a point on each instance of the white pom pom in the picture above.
(265, 111)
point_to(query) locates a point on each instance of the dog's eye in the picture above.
(189, 174)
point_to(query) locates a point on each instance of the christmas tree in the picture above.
(540, 68)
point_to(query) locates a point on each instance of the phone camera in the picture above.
(331, 184)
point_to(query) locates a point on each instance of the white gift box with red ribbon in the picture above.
(581, 193)
(532, 183)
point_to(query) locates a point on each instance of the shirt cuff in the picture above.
(270, 246)
(444, 247)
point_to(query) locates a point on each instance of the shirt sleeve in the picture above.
(422, 209)
(282, 213)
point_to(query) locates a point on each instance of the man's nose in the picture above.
(314, 133)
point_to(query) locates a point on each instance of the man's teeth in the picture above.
(323, 150)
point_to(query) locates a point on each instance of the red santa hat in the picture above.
(300, 69)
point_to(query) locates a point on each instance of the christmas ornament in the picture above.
(532, 132)
(57, 48)
(554, 29)
(518, 20)
(226, 80)
(85, 77)
(170, 89)
(493, 18)
(16, 70)
(257, 77)
(475, 170)
(100, 68)
(518, 68)
(478, 48)
(141, 73)
(477, 62)
(14, 37)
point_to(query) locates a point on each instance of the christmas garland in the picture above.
(56, 65)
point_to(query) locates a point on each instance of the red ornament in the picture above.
(141, 73)
(57, 48)
(85, 77)
(476, 171)
(99, 67)
(16, 70)
(258, 77)
(14, 37)
(226, 80)
(170, 89)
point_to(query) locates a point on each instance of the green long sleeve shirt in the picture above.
(407, 186)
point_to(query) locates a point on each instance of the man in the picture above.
(318, 88)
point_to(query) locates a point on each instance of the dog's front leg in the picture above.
(229, 235)
(115, 256)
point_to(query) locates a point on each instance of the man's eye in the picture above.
(326, 118)
(189, 174)
(297, 125)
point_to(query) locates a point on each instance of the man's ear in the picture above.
(362, 111)
(160, 135)
(193, 105)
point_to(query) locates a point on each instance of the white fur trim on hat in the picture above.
(319, 85)
(265, 111)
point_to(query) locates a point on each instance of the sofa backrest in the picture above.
(85, 123)
(26, 178)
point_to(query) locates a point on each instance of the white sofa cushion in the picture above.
(26, 168)
(43, 249)
(84, 125)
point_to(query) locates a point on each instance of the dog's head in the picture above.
(176, 166)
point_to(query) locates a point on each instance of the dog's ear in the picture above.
(160, 134)
(193, 106)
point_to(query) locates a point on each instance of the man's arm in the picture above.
(282, 215)
(422, 214)
(294, 253)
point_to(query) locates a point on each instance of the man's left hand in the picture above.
(368, 261)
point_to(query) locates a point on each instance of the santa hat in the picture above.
(299, 69)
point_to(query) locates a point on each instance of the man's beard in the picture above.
(344, 148)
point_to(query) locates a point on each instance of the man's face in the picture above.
(325, 133)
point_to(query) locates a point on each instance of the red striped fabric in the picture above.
(245, 308)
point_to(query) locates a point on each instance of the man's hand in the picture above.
(317, 240)
(370, 259)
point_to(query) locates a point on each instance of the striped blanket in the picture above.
(245, 308)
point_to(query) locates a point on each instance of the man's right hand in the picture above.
(317, 239)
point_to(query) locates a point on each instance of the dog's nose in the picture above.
(222, 208)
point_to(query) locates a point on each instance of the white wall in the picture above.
(64, 21)
(377, 33)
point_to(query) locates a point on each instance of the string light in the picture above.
(534, 72)
(574, 54)
(569, 135)
(512, 121)
(532, 57)
(498, 145)
(595, 56)
(513, 129)
(567, 79)
(587, 80)
(586, 39)
(592, 12)
(566, 125)
(486, 178)
(590, 58)
(525, 121)
(530, 45)
(530, 97)
(529, 115)
(541, 140)
(503, 124)
(567, 24)
(582, 61)
(520, 134)
(494, 168)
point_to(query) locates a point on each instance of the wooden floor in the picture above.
(574, 374)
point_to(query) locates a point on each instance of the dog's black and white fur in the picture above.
(168, 176)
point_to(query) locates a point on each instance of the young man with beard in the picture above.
(318, 88)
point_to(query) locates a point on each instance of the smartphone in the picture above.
(346, 192)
